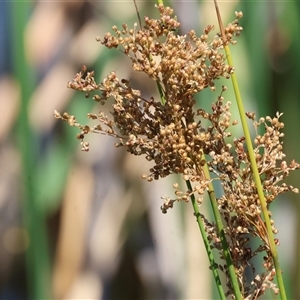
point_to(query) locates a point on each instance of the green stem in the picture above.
(198, 215)
(213, 265)
(257, 180)
(161, 93)
(226, 251)
(256, 176)
(159, 87)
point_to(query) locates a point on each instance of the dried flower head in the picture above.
(170, 132)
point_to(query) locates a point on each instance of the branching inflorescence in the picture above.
(171, 134)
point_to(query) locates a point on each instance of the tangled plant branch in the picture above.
(173, 137)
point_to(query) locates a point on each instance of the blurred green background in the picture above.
(80, 225)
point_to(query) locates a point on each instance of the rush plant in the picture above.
(178, 137)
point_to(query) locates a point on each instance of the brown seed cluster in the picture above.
(240, 206)
(189, 62)
(179, 138)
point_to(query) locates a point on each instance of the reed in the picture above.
(180, 138)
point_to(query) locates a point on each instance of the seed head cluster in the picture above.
(240, 205)
(179, 138)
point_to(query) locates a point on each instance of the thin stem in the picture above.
(161, 93)
(138, 14)
(257, 179)
(220, 227)
(226, 251)
(198, 215)
(159, 87)
(213, 265)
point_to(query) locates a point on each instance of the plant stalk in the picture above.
(212, 262)
(220, 227)
(257, 179)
